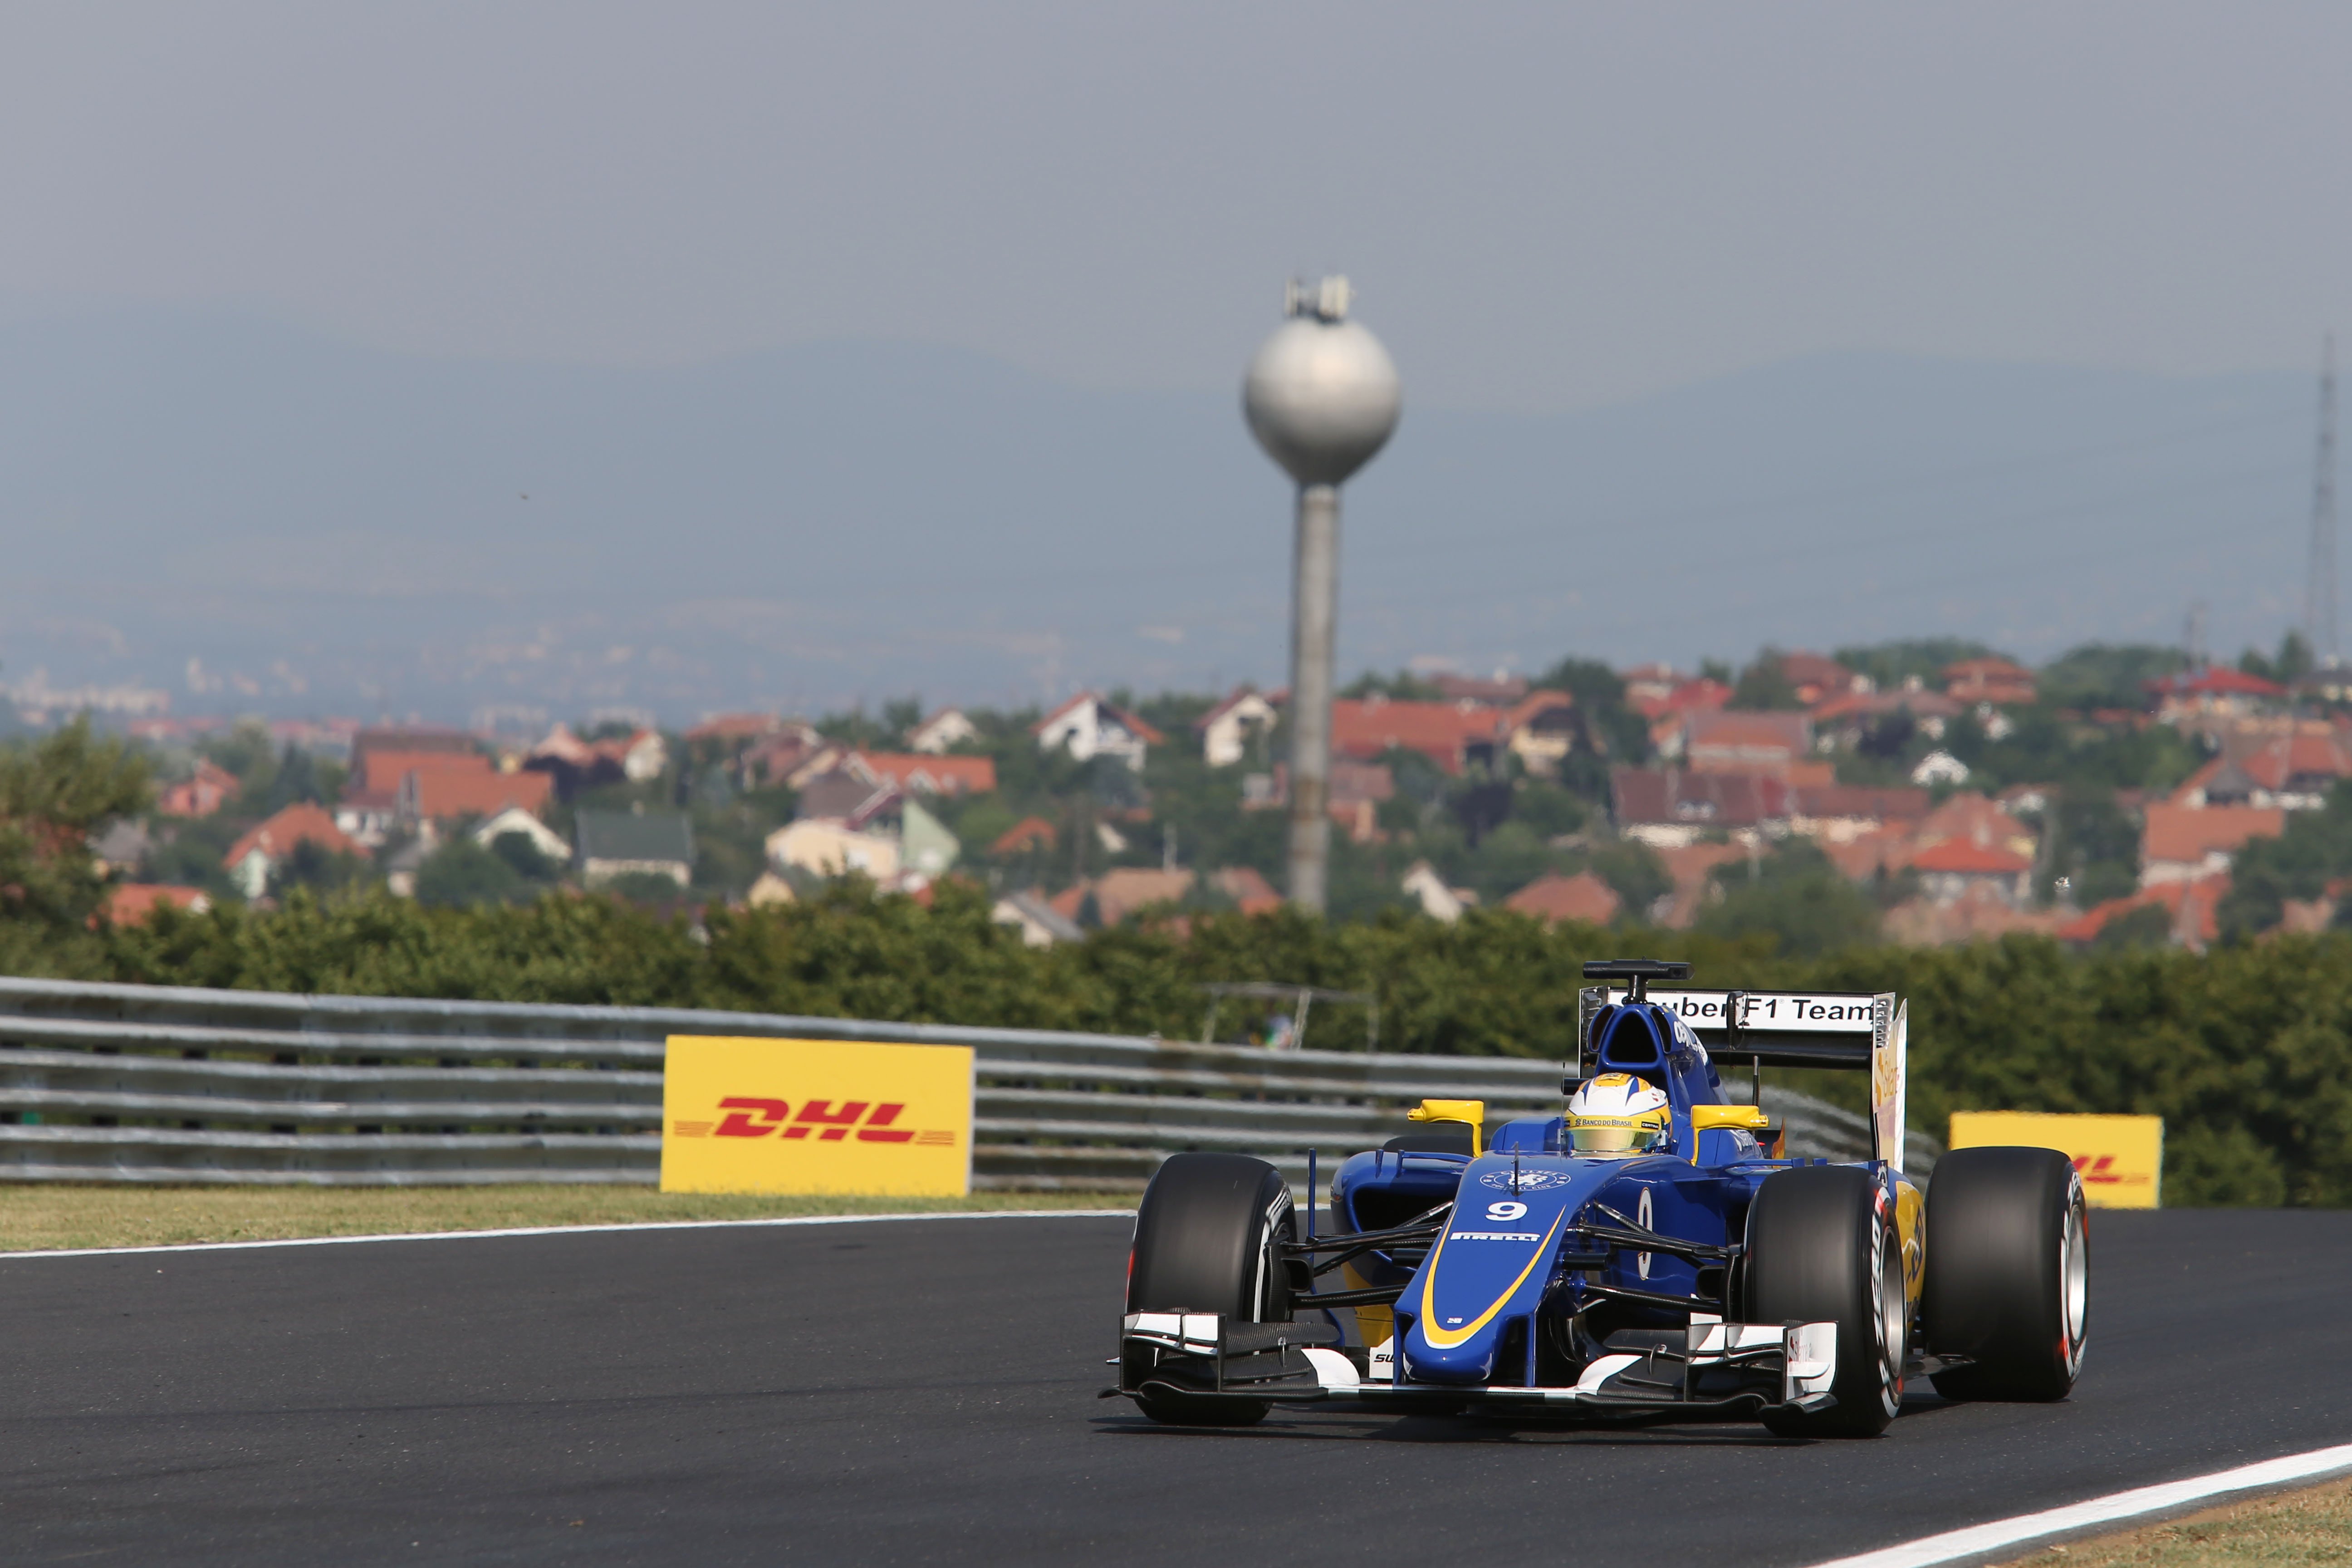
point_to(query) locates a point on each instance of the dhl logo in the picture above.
(748, 1117)
(2099, 1171)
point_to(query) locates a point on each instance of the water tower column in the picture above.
(1321, 397)
(1314, 626)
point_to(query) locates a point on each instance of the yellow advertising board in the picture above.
(816, 1116)
(2121, 1157)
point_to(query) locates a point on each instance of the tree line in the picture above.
(2246, 1051)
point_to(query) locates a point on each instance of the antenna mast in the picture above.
(2319, 577)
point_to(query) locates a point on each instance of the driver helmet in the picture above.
(1617, 1115)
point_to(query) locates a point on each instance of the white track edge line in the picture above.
(569, 1230)
(1955, 1545)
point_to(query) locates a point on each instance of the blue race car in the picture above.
(1651, 1252)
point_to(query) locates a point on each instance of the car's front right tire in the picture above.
(1207, 1239)
(1822, 1248)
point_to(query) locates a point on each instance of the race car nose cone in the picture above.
(1490, 1267)
(1472, 1361)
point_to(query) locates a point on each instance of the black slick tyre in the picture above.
(2008, 1281)
(1822, 1248)
(1205, 1238)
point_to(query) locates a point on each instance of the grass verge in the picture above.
(40, 1215)
(2289, 1531)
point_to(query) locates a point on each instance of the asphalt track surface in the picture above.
(925, 1393)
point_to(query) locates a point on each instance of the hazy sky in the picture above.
(1543, 206)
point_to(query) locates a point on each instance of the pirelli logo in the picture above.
(827, 1122)
(816, 1116)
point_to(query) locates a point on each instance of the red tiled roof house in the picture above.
(2179, 843)
(1582, 896)
(202, 795)
(1993, 680)
(1956, 867)
(252, 859)
(1452, 736)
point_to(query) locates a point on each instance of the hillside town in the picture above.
(1921, 794)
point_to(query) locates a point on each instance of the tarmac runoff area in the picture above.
(923, 1391)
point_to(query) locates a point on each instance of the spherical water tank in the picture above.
(1322, 395)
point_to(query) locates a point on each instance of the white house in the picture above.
(1227, 728)
(643, 756)
(1436, 900)
(1090, 725)
(515, 819)
(946, 729)
(1938, 768)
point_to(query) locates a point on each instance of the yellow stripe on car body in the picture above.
(1447, 1339)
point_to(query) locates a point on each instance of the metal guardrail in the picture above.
(137, 1083)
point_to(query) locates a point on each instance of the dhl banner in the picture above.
(2121, 1157)
(816, 1116)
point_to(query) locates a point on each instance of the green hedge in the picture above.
(2243, 1051)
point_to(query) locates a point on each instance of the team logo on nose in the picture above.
(1524, 1180)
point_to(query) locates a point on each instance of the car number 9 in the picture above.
(1505, 1211)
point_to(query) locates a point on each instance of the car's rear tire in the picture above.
(2008, 1273)
(1822, 1248)
(1205, 1241)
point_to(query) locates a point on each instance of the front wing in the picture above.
(1725, 1370)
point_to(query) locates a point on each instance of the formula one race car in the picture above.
(1650, 1253)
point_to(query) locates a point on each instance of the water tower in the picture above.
(1321, 397)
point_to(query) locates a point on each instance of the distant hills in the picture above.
(257, 518)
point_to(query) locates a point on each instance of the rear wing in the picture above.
(1789, 1029)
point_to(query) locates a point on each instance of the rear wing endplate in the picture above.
(1789, 1029)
